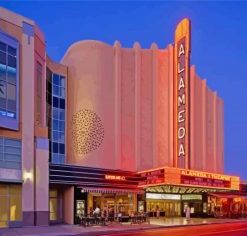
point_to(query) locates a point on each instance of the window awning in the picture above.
(110, 190)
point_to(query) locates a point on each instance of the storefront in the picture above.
(116, 192)
(114, 201)
(227, 205)
(10, 205)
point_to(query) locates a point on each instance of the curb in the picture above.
(128, 230)
(112, 232)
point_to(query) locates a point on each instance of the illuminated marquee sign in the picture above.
(115, 177)
(181, 94)
(161, 196)
(152, 177)
(191, 197)
(205, 175)
(187, 177)
(191, 177)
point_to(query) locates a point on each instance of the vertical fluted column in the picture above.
(154, 49)
(221, 137)
(192, 118)
(204, 134)
(170, 157)
(118, 155)
(137, 49)
(214, 126)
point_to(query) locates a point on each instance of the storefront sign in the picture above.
(114, 177)
(152, 177)
(181, 94)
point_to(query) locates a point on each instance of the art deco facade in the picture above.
(131, 91)
(97, 119)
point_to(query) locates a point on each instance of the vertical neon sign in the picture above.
(182, 95)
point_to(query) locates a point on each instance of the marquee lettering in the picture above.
(181, 100)
(181, 50)
(181, 115)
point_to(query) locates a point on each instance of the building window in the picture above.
(8, 82)
(8, 76)
(39, 93)
(58, 119)
(55, 99)
(10, 202)
(10, 153)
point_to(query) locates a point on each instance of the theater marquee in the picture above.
(181, 94)
(189, 178)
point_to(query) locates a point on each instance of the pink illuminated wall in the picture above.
(131, 89)
(128, 109)
(146, 119)
(206, 127)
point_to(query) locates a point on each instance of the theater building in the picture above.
(128, 129)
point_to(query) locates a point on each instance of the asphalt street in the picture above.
(229, 229)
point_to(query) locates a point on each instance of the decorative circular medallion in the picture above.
(88, 131)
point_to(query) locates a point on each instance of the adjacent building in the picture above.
(128, 129)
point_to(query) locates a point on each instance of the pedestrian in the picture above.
(187, 213)
(96, 212)
(157, 212)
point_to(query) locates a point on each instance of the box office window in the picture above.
(10, 153)
(9, 82)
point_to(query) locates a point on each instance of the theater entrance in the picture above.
(168, 205)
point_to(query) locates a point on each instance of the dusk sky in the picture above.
(219, 45)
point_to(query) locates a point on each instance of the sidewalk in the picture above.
(69, 230)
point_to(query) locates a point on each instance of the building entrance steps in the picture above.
(69, 230)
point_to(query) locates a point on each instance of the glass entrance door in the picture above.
(169, 208)
(172, 209)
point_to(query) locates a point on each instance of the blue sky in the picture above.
(219, 45)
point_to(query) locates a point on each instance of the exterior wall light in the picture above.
(27, 176)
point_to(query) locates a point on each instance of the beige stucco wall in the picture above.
(42, 179)
(34, 161)
(91, 86)
(68, 205)
(27, 88)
